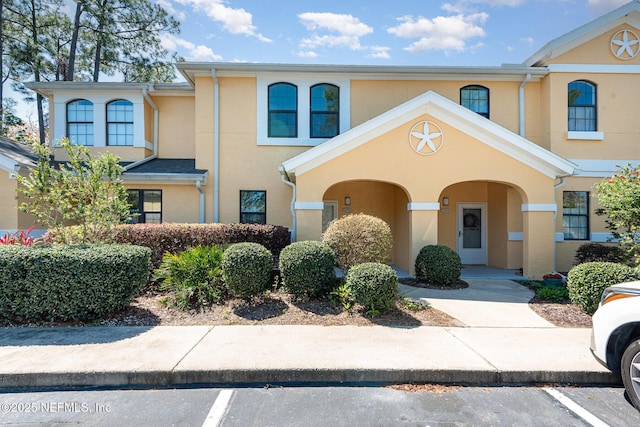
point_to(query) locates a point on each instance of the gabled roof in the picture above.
(15, 155)
(465, 120)
(628, 13)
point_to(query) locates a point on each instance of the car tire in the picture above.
(630, 370)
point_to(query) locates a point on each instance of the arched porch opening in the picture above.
(384, 200)
(483, 222)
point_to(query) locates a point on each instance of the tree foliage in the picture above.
(86, 191)
(619, 197)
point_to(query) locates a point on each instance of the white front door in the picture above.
(472, 233)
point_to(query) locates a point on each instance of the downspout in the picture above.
(555, 217)
(216, 147)
(286, 180)
(521, 96)
(156, 122)
(201, 191)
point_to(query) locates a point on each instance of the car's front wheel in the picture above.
(631, 372)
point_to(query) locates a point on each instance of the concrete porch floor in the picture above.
(474, 272)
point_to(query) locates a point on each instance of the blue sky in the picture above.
(369, 32)
(401, 32)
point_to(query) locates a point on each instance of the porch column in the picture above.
(539, 239)
(423, 223)
(309, 220)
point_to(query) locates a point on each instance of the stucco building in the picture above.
(498, 163)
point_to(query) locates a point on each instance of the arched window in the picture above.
(476, 99)
(283, 110)
(80, 122)
(120, 123)
(325, 110)
(582, 106)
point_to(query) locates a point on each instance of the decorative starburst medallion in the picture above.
(426, 138)
(625, 44)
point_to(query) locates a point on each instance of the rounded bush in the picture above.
(373, 285)
(306, 268)
(359, 238)
(597, 252)
(69, 282)
(246, 269)
(587, 281)
(438, 264)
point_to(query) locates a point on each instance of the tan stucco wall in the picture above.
(597, 51)
(177, 127)
(8, 213)
(372, 98)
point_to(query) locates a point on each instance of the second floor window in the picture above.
(582, 107)
(476, 99)
(80, 122)
(283, 110)
(325, 111)
(120, 123)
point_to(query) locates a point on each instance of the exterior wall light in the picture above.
(347, 201)
(445, 201)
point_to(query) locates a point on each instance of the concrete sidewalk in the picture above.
(503, 342)
(176, 355)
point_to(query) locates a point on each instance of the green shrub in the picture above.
(193, 277)
(552, 293)
(69, 282)
(359, 238)
(439, 265)
(373, 285)
(597, 252)
(246, 269)
(587, 281)
(175, 238)
(306, 268)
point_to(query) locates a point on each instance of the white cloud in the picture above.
(307, 54)
(194, 52)
(235, 21)
(600, 7)
(380, 52)
(445, 33)
(168, 6)
(345, 30)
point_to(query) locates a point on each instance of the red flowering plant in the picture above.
(619, 198)
(553, 276)
(20, 238)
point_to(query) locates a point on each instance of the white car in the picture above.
(615, 338)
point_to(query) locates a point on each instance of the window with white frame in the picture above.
(582, 106)
(325, 111)
(283, 110)
(80, 122)
(120, 123)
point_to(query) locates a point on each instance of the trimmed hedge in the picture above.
(359, 238)
(373, 285)
(587, 281)
(69, 282)
(246, 269)
(306, 268)
(175, 238)
(438, 264)
(597, 252)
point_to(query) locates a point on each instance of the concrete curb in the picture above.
(300, 377)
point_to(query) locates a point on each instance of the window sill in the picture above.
(292, 142)
(586, 136)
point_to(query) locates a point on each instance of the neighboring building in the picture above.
(498, 163)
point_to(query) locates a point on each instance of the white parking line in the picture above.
(219, 409)
(586, 416)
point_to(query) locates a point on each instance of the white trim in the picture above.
(601, 168)
(539, 207)
(586, 136)
(8, 164)
(515, 236)
(603, 238)
(594, 68)
(303, 82)
(309, 206)
(559, 237)
(427, 206)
